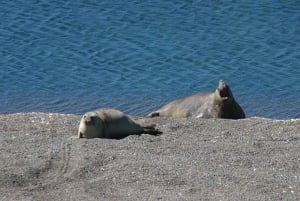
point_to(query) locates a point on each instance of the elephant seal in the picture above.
(219, 104)
(110, 123)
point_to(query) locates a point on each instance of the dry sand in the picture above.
(202, 159)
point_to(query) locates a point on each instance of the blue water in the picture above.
(75, 56)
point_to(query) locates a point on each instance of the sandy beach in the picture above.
(193, 159)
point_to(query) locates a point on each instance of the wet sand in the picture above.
(194, 159)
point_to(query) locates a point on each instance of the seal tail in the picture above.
(150, 129)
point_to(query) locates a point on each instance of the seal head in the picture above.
(225, 104)
(91, 126)
(224, 91)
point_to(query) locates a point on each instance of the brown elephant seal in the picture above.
(219, 104)
(110, 123)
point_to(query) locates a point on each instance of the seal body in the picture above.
(110, 123)
(219, 104)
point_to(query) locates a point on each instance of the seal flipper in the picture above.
(153, 114)
(151, 130)
(79, 135)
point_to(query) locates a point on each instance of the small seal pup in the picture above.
(219, 104)
(111, 123)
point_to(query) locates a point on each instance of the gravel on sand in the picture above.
(193, 159)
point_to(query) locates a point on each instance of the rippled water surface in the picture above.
(75, 56)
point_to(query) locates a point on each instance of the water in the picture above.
(75, 56)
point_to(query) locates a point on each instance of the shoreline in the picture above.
(215, 159)
(71, 114)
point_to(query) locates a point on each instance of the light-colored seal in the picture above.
(219, 104)
(110, 123)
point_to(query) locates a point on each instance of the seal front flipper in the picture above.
(78, 136)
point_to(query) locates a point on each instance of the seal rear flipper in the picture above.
(151, 130)
(153, 114)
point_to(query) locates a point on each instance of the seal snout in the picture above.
(222, 84)
(88, 119)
